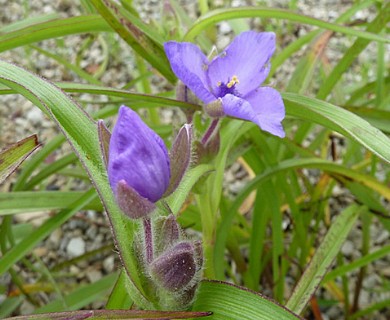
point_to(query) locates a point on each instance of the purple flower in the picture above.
(138, 157)
(233, 78)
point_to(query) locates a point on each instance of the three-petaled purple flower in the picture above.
(139, 166)
(233, 78)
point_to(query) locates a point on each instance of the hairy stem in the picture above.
(148, 239)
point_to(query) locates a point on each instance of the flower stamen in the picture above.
(233, 81)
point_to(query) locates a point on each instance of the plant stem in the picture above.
(148, 239)
(210, 131)
(208, 231)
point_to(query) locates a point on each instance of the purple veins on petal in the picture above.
(138, 156)
(268, 110)
(234, 78)
(189, 64)
(246, 58)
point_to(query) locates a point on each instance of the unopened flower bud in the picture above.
(215, 109)
(175, 269)
(167, 233)
(138, 164)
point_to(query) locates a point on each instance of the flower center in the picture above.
(229, 87)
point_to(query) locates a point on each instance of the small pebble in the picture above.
(348, 248)
(109, 264)
(93, 275)
(76, 247)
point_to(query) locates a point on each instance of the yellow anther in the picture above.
(219, 83)
(232, 82)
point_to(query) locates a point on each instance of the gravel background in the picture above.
(88, 231)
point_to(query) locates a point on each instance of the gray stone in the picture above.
(109, 264)
(348, 248)
(93, 275)
(75, 247)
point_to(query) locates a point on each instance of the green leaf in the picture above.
(323, 258)
(15, 154)
(350, 55)
(119, 299)
(134, 98)
(358, 263)
(314, 163)
(9, 305)
(27, 22)
(177, 199)
(229, 302)
(33, 201)
(146, 47)
(25, 246)
(81, 296)
(218, 15)
(340, 120)
(52, 29)
(81, 131)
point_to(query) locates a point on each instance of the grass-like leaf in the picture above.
(340, 120)
(33, 201)
(229, 302)
(15, 154)
(218, 15)
(52, 29)
(323, 258)
(81, 131)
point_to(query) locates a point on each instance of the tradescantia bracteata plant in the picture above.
(178, 235)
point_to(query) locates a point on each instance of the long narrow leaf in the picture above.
(218, 15)
(323, 258)
(229, 302)
(15, 154)
(82, 133)
(52, 29)
(340, 120)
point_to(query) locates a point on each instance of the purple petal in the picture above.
(246, 58)
(138, 156)
(237, 107)
(189, 65)
(268, 108)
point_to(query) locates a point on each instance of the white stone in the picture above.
(55, 237)
(347, 248)
(224, 27)
(109, 264)
(75, 247)
(94, 275)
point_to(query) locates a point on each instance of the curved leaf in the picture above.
(323, 258)
(218, 15)
(52, 29)
(132, 97)
(14, 155)
(340, 120)
(81, 131)
(229, 302)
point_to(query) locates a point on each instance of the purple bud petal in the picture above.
(131, 203)
(175, 269)
(138, 156)
(180, 156)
